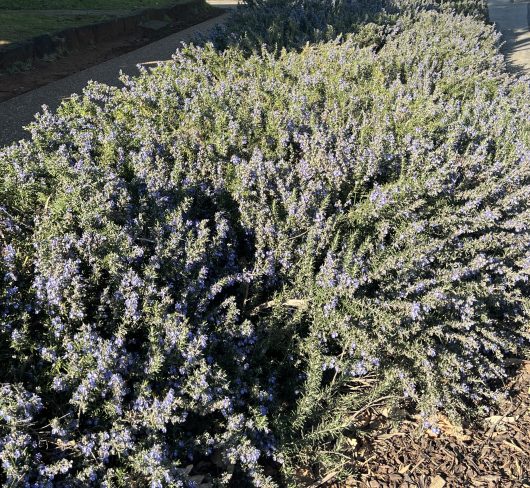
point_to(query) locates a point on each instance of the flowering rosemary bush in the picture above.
(292, 24)
(221, 263)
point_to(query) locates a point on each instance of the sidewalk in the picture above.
(512, 18)
(19, 111)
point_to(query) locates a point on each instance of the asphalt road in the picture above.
(19, 111)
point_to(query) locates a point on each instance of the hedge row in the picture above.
(211, 270)
(291, 24)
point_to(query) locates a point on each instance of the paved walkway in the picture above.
(512, 18)
(19, 111)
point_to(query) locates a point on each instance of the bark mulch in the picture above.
(494, 454)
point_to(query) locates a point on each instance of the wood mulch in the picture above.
(495, 454)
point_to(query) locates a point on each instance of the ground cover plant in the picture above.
(17, 26)
(224, 262)
(83, 4)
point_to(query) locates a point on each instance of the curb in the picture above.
(75, 38)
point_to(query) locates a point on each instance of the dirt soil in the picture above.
(44, 72)
(494, 454)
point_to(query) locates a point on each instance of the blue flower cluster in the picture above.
(206, 273)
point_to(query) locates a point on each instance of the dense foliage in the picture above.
(230, 257)
(292, 24)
